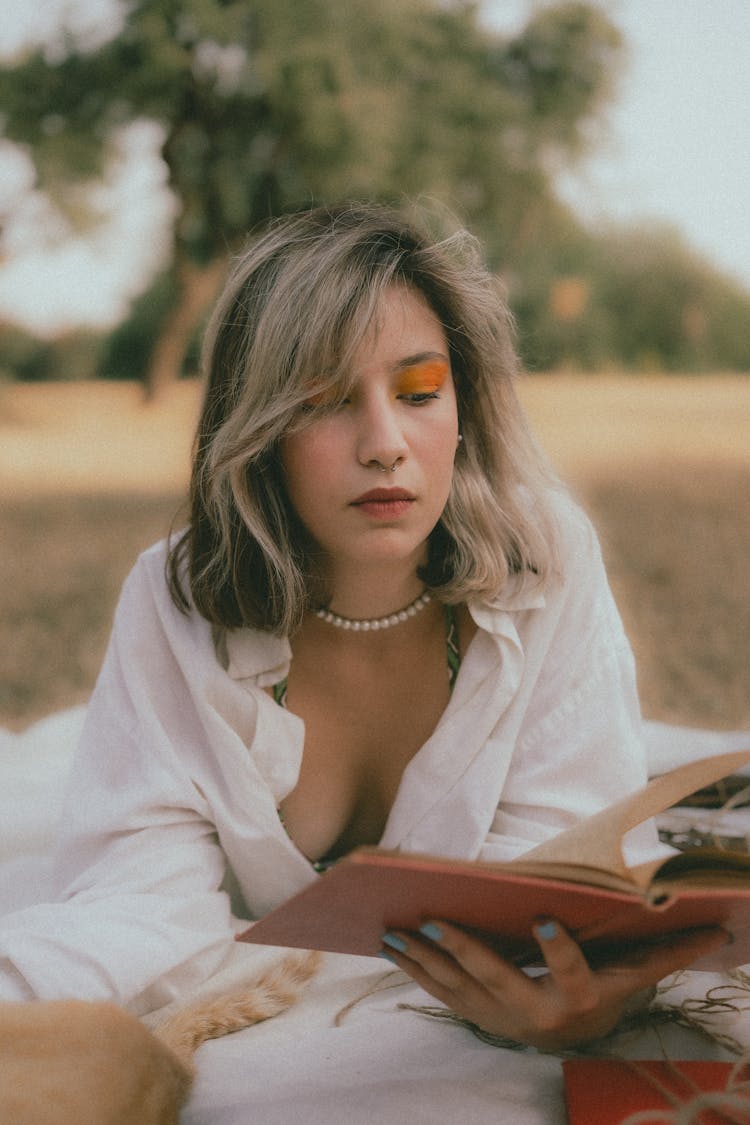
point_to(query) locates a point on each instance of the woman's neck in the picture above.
(365, 592)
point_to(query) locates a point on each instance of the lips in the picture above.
(384, 503)
(383, 495)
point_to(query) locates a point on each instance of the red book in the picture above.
(607, 906)
(608, 1091)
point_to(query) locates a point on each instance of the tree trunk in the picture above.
(198, 286)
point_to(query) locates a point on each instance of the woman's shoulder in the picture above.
(572, 523)
(148, 575)
(574, 551)
(148, 608)
(146, 604)
(569, 534)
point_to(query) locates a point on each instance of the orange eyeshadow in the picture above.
(423, 378)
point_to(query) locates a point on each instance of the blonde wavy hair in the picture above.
(296, 305)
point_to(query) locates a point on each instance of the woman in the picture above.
(385, 622)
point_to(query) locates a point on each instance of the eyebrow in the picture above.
(420, 357)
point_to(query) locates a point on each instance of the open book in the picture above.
(578, 877)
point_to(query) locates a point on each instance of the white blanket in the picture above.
(379, 1062)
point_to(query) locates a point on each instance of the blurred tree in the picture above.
(637, 297)
(129, 347)
(278, 103)
(674, 310)
(23, 356)
(27, 359)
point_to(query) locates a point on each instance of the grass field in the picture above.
(89, 475)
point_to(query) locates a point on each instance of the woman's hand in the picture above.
(572, 1003)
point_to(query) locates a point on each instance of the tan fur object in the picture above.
(69, 1062)
(272, 992)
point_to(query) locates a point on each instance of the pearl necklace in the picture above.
(373, 623)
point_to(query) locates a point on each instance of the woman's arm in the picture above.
(140, 915)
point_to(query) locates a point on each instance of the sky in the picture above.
(676, 148)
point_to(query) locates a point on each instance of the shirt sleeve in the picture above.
(581, 745)
(141, 916)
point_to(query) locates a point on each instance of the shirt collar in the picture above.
(253, 654)
(515, 597)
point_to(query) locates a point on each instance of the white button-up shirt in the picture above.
(171, 828)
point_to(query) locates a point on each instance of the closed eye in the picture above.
(418, 398)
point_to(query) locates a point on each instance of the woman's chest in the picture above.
(356, 749)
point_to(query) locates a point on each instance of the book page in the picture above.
(601, 835)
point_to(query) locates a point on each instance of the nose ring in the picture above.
(392, 468)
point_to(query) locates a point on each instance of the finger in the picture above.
(427, 954)
(481, 967)
(562, 955)
(428, 966)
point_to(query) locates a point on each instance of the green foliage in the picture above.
(630, 297)
(563, 63)
(25, 358)
(273, 104)
(674, 309)
(128, 349)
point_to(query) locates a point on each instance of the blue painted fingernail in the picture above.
(546, 931)
(386, 956)
(395, 942)
(431, 931)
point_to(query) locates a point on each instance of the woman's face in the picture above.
(369, 476)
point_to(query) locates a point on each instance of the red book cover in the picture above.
(608, 1091)
(350, 907)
